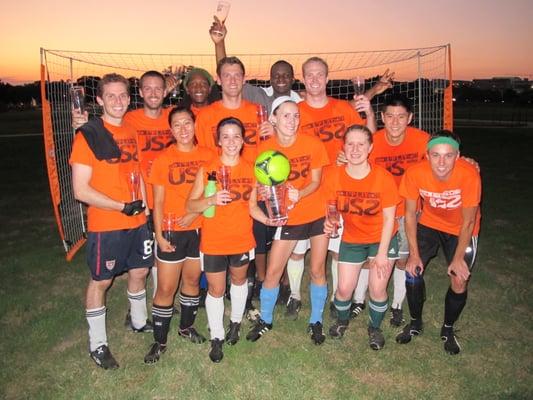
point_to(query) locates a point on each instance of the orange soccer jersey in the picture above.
(153, 136)
(230, 230)
(176, 171)
(329, 123)
(361, 201)
(209, 117)
(307, 153)
(396, 159)
(442, 201)
(110, 178)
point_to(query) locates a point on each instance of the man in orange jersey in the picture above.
(450, 191)
(396, 147)
(326, 118)
(103, 164)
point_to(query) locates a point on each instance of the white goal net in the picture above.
(423, 75)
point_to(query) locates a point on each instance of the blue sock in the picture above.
(319, 294)
(203, 281)
(268, 298)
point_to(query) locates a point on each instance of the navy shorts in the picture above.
(302, 231)
(220, 263)
(186, 244)
(263, 234)
(112, 253)
(429, 240)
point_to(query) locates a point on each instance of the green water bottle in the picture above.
(210, 190)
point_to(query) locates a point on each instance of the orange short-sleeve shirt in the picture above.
(110, 178)
(209, 117)
(442, 201)
(361, 201)
(306, 153)
(176, 171)
(230, 230)
(328, 123)
(153, 136)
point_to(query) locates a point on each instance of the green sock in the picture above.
(343, 308)
(377, 310)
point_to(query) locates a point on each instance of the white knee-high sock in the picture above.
(139, 313)
(295, 271)
(238, 301)
(154, 280)
(399, 288)
(97, 332)
(359, 293)
(214, 307)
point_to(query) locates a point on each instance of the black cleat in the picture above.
(355, 309)
(451, 345)
(293, 308)
(337, 329)
(284, 294)
(216, 354)
(375, 338)
(191, 334)
(396, 318)
(258, 330)
(317, 336)
(332, 310)
(103, 358)
(154, 353)
(408, 332)
(234, 333)
(147, 328)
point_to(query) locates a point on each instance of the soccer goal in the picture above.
(423, 75)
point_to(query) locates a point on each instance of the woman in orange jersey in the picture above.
(366, 196)
(227, 239)
(307, 156)
(176, 232)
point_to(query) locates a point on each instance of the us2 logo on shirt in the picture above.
(155, 140)
(359, 206)
(240, 189)
(300, 167)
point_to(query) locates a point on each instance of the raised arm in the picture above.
(218, 33)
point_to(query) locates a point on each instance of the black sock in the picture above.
(453, 306)
(161, 316)
(189, 309)
(415, 293)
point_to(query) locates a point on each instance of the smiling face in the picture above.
(281, 79)
(315, 76)
(115, 100)
(198, 89)
(230, 140)
(286, 119)
(396, 120)
(442, 158)
(182, 126)
(357, 146)
(231, 78)
(153, 92)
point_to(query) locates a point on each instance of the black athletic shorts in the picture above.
(186, 244)
(111, 253)
(219, 263)
(430, 239)
(263, 234)
(300, 232)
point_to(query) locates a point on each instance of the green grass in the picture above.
(44, 333)
(27, 121)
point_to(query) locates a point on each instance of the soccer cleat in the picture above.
(396, 318)
(147, 328)
(234, 333)
(332, 310)
(338, 328)
(317, 336)
(191, 334)
(284, 294)
(216, 354)
(258, 330)
(408, 332)
(355, 309)
(252, 314)
(103, 358)
(451, 345)
(375, 338)
(293, 308)
(154, 353)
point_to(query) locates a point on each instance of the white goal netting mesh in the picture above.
(423, 75)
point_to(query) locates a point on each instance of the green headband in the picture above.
(443, 140)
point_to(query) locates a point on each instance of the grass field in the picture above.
(44, 333)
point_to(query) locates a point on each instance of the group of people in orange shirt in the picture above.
(401, 193)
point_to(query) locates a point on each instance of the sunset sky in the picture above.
(488, 37)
